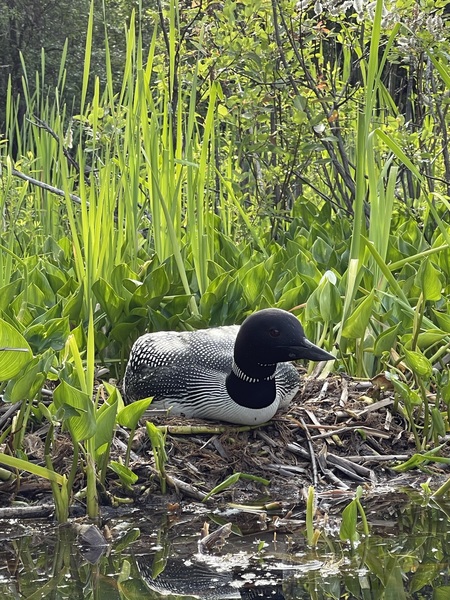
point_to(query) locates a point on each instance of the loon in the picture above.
(237, 374)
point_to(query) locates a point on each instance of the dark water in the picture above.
(156, 554)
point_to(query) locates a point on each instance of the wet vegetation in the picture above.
(210, 161)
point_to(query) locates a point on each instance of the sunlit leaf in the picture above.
(15, 352)
(356, 324)
(428, 280)
(418, 363)
(126, 475)
(347, 530)
(129, 415)
(386, 340)
(82, 426)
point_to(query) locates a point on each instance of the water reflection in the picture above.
(158, 556)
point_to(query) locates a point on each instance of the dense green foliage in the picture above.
(248, 155)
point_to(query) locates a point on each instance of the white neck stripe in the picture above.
(240, 373)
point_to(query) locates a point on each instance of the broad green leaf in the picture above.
(15, 352)
(37, 277)
(443, 320)
(106, 422)
(330, 302)
(441, 592)
(386, 340)
(321, 251)
(50, 334)
(253, 283)
(347, 530)
(312, 308)
(356, 324)
(109, 300)
(418, 363)
(74, 305)
(406, 393)
(82, 426)
(424, 340)
(157, 282)
(126, 475)
(8, 293)
(129, 415)
(428, 281)
(27, 384)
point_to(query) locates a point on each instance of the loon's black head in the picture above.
(272, 335)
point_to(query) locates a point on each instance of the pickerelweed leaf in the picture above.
(406, 393)
(347, 530)
(109, 300)
(50, 334)
(253, 283)
(443, 320)
(321, 251)
(425, 340)
(129, 415)
(418, 363)
(83, 425)
(27, 384)
(355, 326)
(386, 340)
(15, 352)
(106, 422)
(330, 302)
(126, 475)
(429, 281)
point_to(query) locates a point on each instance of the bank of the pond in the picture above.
(338, 433)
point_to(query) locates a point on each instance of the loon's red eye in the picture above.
(274, 332)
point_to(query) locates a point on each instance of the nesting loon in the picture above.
(237, 374)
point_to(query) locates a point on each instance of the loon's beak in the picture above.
(310, 351)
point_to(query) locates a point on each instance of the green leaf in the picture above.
(348, 530)
(231, 480)
(321, 251)
(106, 422)
(330, 302)
(50, 334)
(24, 465)
(109, 300)
(386, 340)
(441, 593)
(418, 363)
(15, 352)
(253, 283)
(417, 460)
(428, 281)
(443, 320)
(129, 415)
(356, 324)
(407, 394)
(126, 475)
(27, 384)
(82, 426)
(438, 422)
